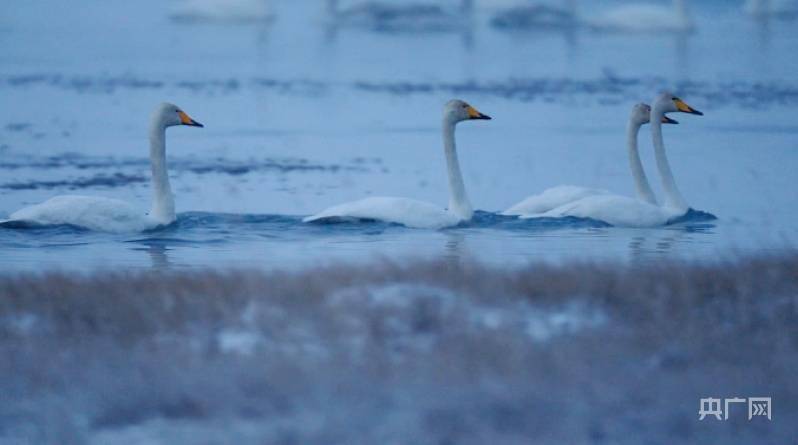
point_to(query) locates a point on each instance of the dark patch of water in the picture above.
(606, 88)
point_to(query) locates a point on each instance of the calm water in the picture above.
(300, 115)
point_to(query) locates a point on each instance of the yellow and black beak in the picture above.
(186, 120)
(667, 120)
(474, 114)
(684, 108)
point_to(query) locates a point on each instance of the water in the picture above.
(300, 115)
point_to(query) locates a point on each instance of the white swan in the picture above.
(536, 16)
(557, 196)
(629, 212)
(644, 17)
(668, 103)
(222, 11)
(394, 16)
(775, 8)
(409, 212)
(113, 215)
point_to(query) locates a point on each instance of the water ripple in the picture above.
(607, 88)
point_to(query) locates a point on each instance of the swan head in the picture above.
(641, 114)
(670, 103)
(457, 111)
(170, 115)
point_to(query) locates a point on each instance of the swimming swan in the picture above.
(645, 18)
(394, 16)
(556, 196)
(222, 11)
(409, 212)
(629, 212)
(536, 16)
(772, 8)
(668, 103)
(113, 215)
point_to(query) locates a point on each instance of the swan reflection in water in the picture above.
(657, 244)
(158, 253)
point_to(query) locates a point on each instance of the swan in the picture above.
(112, 215)
(536, 16)
(383, 15)
(775, 8)
(668, 103)
(410, 212)
(629, 212)
(222, 11)
(645, 17)
(556, 196)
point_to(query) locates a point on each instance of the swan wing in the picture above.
(616, 210)
(408, 212)
(552, 198)
(640, 18)
(221, 11)
(94, 213)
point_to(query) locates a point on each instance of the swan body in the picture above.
(90, 212)
(629, 212)
(776, 8)
(555, 197)
(616, 210)
(398, 17)
(645, 18)
(222, 11)
(536, 16)
(113, 215)
(551, 198)
(409, 212)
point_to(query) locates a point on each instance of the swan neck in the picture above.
(642, 187)
(673, 198)
(459, 204)
(163, 203)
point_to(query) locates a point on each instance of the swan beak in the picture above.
(667, 120)
(684, 108)
(474, 114)
(186, 120)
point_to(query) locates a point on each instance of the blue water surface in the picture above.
(302, 112)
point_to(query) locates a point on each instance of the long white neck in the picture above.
(459, 204)
(642, 187)
(673, 198)
(163, 203)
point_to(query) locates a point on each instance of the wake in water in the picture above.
(197, 223)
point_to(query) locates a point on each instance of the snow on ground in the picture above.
(426, 352)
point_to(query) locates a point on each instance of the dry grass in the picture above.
(413, 353)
